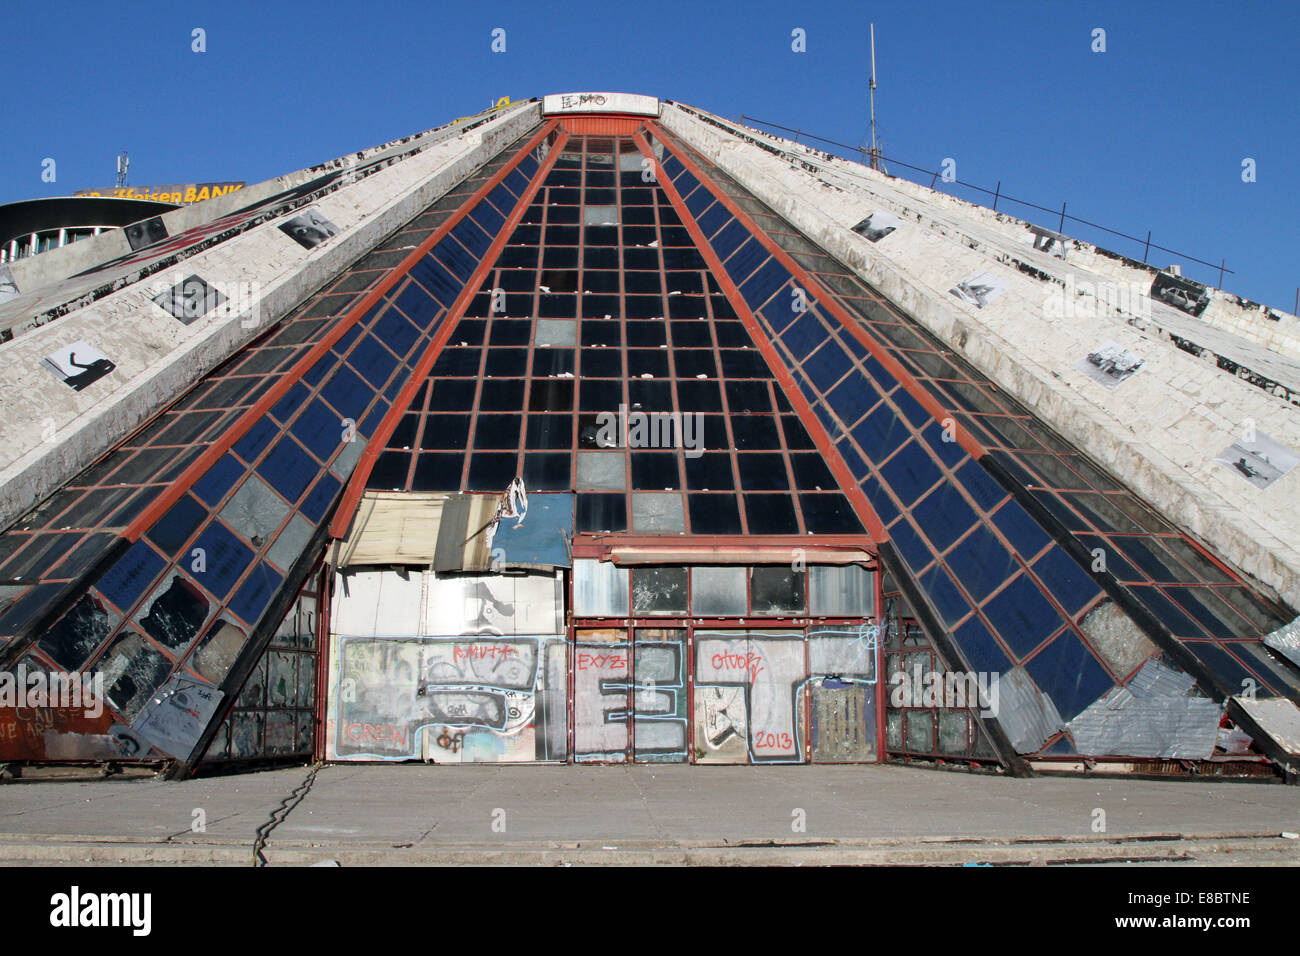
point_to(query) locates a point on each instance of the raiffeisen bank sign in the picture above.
(632, 103)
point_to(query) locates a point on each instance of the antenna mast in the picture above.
(123, 164)
(875, 148)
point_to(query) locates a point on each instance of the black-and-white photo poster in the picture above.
(190, 299)
(878, 225)
(1182, 294)
(79, 365)
(1109, 364)
(1261, 459)
(8, 288)
(1053, 243)
(309, 228)
(145, 233)
(980, 289)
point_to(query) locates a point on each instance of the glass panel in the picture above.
(718, 592)
(600, 589)
(659, 591)
(844, 591)
(777, 591)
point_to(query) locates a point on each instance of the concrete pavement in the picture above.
(648, 814)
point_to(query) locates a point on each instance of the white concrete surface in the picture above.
(49, 432)
(1159, 431)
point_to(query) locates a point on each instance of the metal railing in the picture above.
(999, 195)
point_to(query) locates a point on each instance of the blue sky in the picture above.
(1150, 134)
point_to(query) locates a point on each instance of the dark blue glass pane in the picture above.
(979, 484)
(1170, 615)
(288, 469)
(882, 376)
(828, 365)
(759, 287)
(745, 260)
(1187, 599)
(1022, 617)
(516, 182)
(944, 516)
(458, 262)
(320, 429)
(373, 361)
(880, 501)
(347, 393)
(174, 528)
(729, 238)
(1021, 530)
(711, 221)
(910, 473)
(219, 479)
(503, 198)
(315, 504)
(880, 432)
(283, 410)
(803, 335)
(1070, 584)
(943, 595)
(396, 332)
(1223, 665)
(915, 552)
(131, 575)
(910, 407)
(472, 237)
(255, 440)
(256, 592)
(224, 559)
(983, 654)
(699, 200)
(829, 514)
(949, 452)
(1137, 552)
(981, 563)
(601, 513)
(488, 218)
(1067, 672)
(771, 514)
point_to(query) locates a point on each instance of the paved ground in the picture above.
(549, 814)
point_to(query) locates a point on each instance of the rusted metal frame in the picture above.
(374, 448)
(848, 485)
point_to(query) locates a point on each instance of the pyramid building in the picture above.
(600, 428)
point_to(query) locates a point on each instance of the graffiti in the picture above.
(600, 715)
(751, 691)
(451, 742)
(571, 101)
(462, 699)
(750, 662)
(387, 734)
(587, 661)
(659, 698)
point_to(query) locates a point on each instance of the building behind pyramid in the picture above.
(603, 429)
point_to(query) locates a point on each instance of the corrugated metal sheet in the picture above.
(1122, 725)
(462, 541)
(1156, 679)
(1026, 714)
(1286, 641)
(1153, 716)
(393, 528)
(1277, 717)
